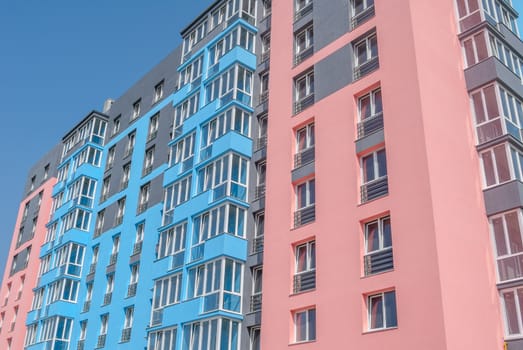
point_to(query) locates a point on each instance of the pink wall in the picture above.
(443, 274)
(30, 273)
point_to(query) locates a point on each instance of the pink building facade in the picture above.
(17, 297)
(380, 236)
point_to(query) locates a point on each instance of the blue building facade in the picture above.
(150, 241)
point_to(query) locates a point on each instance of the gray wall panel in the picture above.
(333, 73)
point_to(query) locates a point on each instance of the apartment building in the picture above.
(308, 173)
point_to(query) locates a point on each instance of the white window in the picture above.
(193, 38)
(303, 43)
(303, 91)
(38, 298)
(306, 257)
(172, 241)
(106, 186)
(267, 7)
(158, 91)
(184, 110)
(501, 164)
(120, 211)
(166, 291)
(110, 284)
(148, 161)
(110, 157)
(374, 166)
(30, 335)
(305, 325)
(191, 72)
(301, 5)
(154, 123)
(234, 119)
(265, 46)
(100, 220)
(255, 338)
(89, 155)
(164, 339)
(305, 194)
(82, 191)
(305, 138)
(63, 172)
(116, 125)
(176, 194)
(227, 176)
(136, 110)
(507, 233)
(183, 150)
(129, 317)
(235, 83)
(104, 324)
(381, 311)
(83, 330)
(227, 218)
(378, 246)
(366, 50)
(143, 201)
(126, 175)
(201, 334)
(475, 48)
(131, 140)
(237, 37)
(140, 229)
(370, 105)
(360, 6)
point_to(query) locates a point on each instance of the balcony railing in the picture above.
(147, 170)
(137, 248)
(374, 189)
(107, 298)
(366, 68)
(131, 290)
(303, 55)
(152, 135)
(101, 341)
(261, 142)
(379, 261)
(143, 207)
(87, 306)
(126, 335)
(80, 345)
(113, 258)
(303, 103)
(257, 244)
(370, 125)
(256, 302)
(304, 281)
(265, 56)
(92, 268)
(303, 12)
(259, 191)
(304, 215)
(304, 157)
(118, 221)
(97, 232)
(362, 16)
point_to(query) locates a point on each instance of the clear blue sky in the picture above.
(60, 59)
